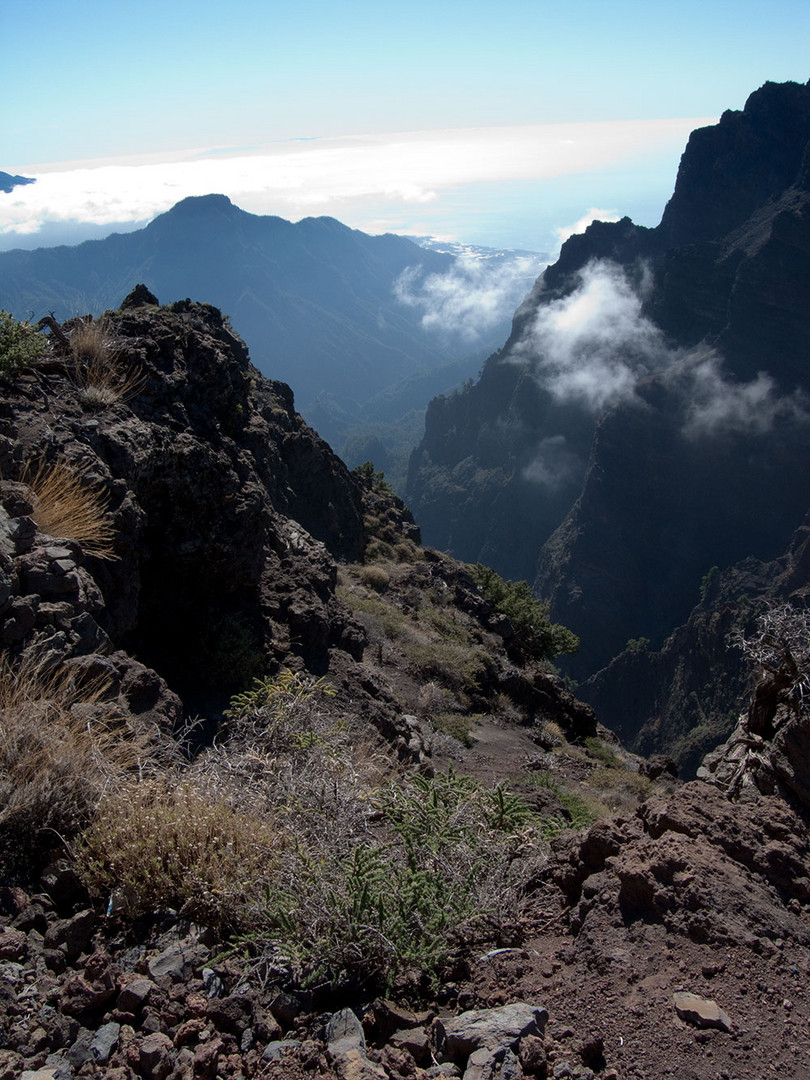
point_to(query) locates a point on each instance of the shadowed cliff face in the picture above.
(228, 512)
(681, 351)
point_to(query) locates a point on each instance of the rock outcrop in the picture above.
(226, 511)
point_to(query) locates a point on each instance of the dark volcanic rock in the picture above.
(228, 513)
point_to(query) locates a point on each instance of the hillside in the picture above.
(647, 419)
(287, 795)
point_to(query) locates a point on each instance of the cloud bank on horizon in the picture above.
(376, 182)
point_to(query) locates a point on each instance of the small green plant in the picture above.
(274, 695)
(535, 635)
(507, 811)
(458, 726)
(21, 346)
(602, 752)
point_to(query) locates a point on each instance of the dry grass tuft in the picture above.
(60, 748)
(99, 374)
(375, 577)
(65, 506)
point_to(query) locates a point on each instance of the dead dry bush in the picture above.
(66, 506)
(61, 748)
(163, 842)
(285, 752)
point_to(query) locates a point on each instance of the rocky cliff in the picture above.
(647, 418)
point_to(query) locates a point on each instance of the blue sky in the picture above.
(495, 123)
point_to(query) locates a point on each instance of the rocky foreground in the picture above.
(673, 942)
(669, 938)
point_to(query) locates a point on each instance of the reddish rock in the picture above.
(13, 944)
(155, 1056)
(206, 1059)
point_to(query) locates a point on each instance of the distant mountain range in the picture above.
(316, 301)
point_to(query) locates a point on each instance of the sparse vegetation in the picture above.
(457, 725)
(65, 506)
(600, 750)
(21, 346)
(60, 748)
(536, 637)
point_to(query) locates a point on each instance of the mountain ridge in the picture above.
(616, 504)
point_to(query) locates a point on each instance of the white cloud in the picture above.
(592, 346)
(717, 406)
(321, 176)
(471, 298)
(554, 464)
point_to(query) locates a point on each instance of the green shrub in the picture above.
(375, 577)
(535, 635)
(21, 345)
(457, 725)
(398, 902)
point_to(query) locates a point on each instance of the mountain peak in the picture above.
(201, 203)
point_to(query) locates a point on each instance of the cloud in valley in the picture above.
(472, 298)
(717, 406)
(554, 464)
(592, 346)
(590, 349)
